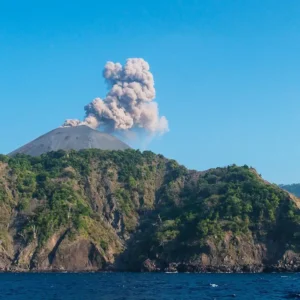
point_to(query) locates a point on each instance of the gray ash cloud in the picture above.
(129, 103)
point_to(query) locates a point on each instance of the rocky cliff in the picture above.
(130, 211)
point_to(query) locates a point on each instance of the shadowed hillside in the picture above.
(292, 188)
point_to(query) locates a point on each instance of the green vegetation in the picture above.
(57, 180)
(110, 196)
(227, 199)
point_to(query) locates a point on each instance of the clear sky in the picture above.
(227, 74)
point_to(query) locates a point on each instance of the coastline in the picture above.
(248, 269)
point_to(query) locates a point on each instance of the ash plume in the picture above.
(129, 103)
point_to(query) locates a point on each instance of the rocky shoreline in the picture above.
(150, 267)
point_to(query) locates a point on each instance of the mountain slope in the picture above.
(292, 188)
(127, 210)
(71, 138)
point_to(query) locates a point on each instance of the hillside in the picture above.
(127, 210)
(292, 188)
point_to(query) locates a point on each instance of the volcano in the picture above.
(71, 138)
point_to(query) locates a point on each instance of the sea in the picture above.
(148, 286)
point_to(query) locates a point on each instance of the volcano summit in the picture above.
(71, 138)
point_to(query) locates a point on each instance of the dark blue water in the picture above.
(119, 286)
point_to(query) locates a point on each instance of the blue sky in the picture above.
(226, 74)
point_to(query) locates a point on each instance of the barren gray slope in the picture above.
(71, 138)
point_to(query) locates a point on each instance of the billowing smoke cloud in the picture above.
(129, 104)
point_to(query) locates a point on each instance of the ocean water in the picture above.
(131, 286)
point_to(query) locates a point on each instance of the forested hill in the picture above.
(292, 188)
(127, 210)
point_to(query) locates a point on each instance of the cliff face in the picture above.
(126, 210)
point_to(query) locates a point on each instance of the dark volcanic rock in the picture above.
(149, 266)
(71, 138)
